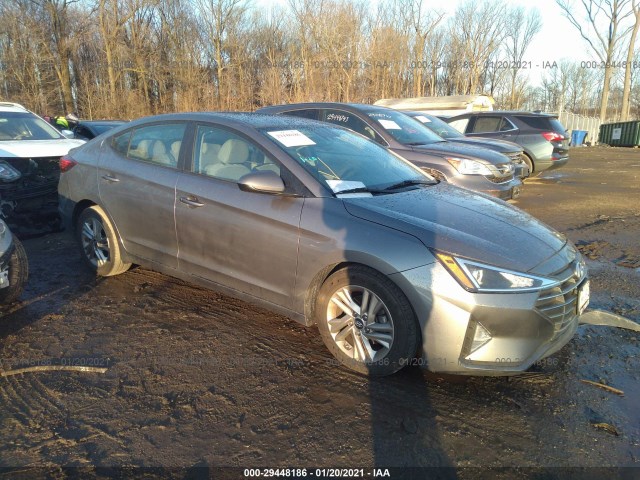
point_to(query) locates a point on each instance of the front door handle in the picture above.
(110, 178)
(191, 201)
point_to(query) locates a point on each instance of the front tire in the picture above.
(18, 273)
(529, 163)
(366, 321)
(99, 243)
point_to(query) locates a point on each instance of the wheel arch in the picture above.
(81, 206)
(318, 280)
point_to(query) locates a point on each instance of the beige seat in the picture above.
(159, 153)
(231, 161)
(142, 150)
(208, 156)
(175, 150)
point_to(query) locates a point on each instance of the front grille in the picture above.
(495, 179)
(558, 304)
(515, 157)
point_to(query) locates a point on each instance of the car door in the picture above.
(136, 185)
(247, 241)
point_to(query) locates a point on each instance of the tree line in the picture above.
(129, 58)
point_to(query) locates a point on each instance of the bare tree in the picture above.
(603, 37)
(626, 90)
(522, 26)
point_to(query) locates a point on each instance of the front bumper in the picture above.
(505, 191)
(523, 327)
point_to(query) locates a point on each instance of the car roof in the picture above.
(510, 112)
(101, 122)
(361, 107)
(255, 120)
(12, 107)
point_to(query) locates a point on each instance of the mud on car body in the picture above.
(30, 149)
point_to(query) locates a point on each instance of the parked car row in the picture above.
(468, 166)
(347, 231)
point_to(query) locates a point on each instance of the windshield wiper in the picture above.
(358, 190)
(408, 183)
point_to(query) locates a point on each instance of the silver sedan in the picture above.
(328, 228)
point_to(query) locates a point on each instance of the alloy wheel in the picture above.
(360, 324)
(95, 242)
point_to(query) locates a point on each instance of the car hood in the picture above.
(467, 151)
(464, 223)
(501, 146)
(38, 148)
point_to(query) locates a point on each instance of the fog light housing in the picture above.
(480, 338)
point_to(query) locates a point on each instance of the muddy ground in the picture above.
(197, 380)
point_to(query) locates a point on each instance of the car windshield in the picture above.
(25, 126)
(344, 161)
(402, 128)
(437, 126)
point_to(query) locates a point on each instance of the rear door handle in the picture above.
(191, 201)
(110, 178)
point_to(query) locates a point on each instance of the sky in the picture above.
(557, 40)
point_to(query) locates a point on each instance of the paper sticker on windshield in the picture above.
(423, 119)
(292, 138)
(390, 124)
(342, 185)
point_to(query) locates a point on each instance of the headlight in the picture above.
(8, 173)
(481, 278)
(467, 166)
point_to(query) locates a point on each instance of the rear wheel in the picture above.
(366, 322)
(99, 244)
(17, 271)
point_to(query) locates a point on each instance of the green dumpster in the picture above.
(621, 134)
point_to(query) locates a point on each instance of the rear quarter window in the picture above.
(120, 143)
(543, 123)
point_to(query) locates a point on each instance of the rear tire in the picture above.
(99, 243)
(18, 273)
(366, 321)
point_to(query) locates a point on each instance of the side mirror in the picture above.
(67, 133)
(262, 182)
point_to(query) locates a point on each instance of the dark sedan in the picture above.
(88, 129)
(465, 166)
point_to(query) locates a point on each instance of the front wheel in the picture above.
(99, 243)
(366, 321)
(17, 273)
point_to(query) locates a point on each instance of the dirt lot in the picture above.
(197, 380)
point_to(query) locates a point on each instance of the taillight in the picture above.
(553, 136)
(67, 163)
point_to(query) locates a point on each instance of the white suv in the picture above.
(30, 150)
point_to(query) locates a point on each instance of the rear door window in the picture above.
(157, 143)
(487, 124)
